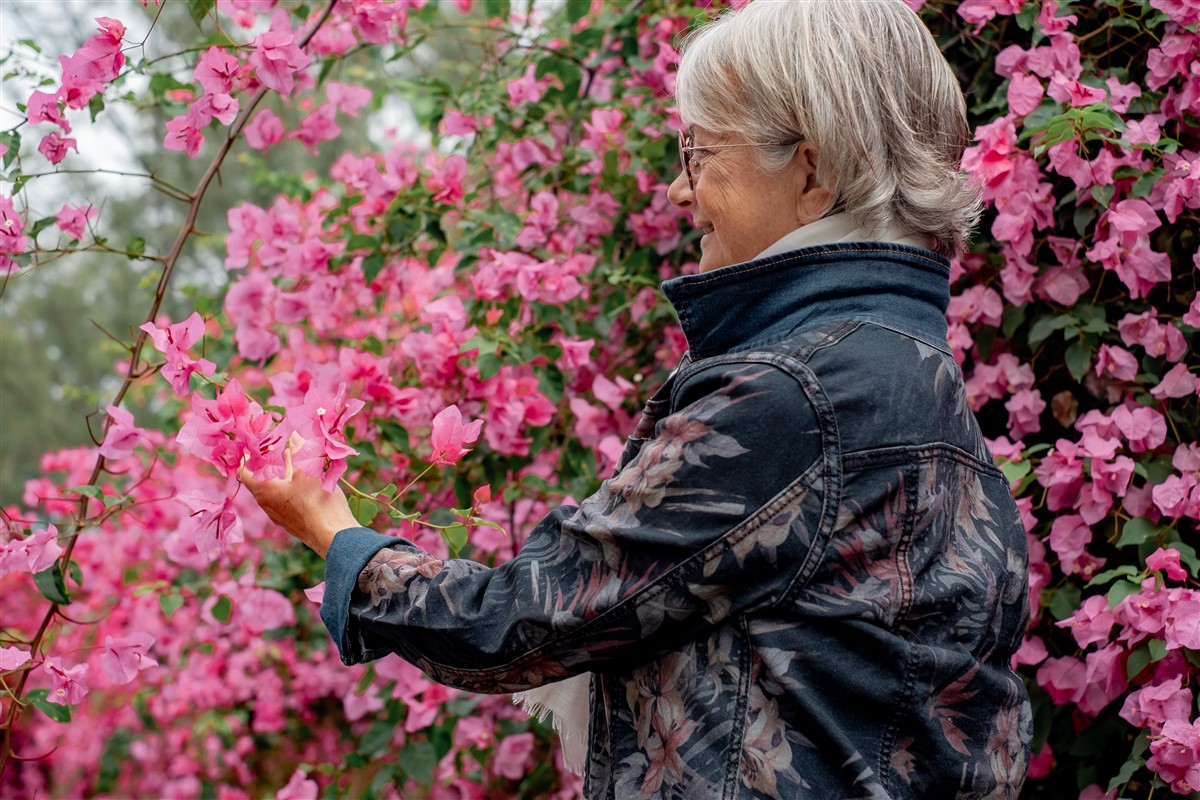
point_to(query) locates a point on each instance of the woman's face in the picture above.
(742, 209)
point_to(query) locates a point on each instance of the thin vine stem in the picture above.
(132, 372)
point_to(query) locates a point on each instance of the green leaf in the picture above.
(1158, 650)
(1187, 556)
(11, 140)
(1120, 590)
(577, 9)
(41, 225)
(361, 241)
(52, 586)
(1137, 531)
(1109, 574)
(364, 510)
(136, 247)
(372, 265)
(1103, 194)
(199, 10)
(1013, 317)
(1078, 358)
(95, 105)
(1145, 184)
(456, 537)
(75, 572)
(162, 82)
(169, 603)
(377, 738)
(488, 365)
(55, 711)
(1136, 761)
(223, 610)
(87, 490)
(418, 760)
(1138, 660)
(366, 679)
(1064, 601)
(1044, 326)
(485, 346)
(1015, 470)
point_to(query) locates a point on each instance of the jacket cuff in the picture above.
(348, 555)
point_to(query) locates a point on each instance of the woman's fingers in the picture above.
(287, 461)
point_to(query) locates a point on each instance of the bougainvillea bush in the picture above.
(462, 332)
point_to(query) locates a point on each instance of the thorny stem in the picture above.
(168, 188)
(131, 373)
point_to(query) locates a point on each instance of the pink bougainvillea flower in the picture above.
(183, 135)
(1025, 409)
(123, 435)
(316, 594)
(1092, 622)
(1175, 755)
(514, 755)
(347, 98)
(1181, 619)
(446, 181)
(221, 107)
(94, 64)
(67, 686)
(124, 657)
(174, 341)
(319, 126)
(12, 227)
(34, 553)
(298, 788)
(43, 107)
(1065, 679)
(321, 421)
(456, 123)
(72, 220)
(482, 496)
(277, 58)
(1144, 428)
(1151, 706)
(449, 435)
(1025, 93)
(263, 132)
(231, 431)
(213, 526)
(12, 657)
(216, 70)
(527, 88)
(55, 147)
(1079, 94)
(1167, 559)
(1116, 362)
(1133, 216)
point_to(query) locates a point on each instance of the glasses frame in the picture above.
(687, 145)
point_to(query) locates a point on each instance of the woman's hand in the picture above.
(298, 503)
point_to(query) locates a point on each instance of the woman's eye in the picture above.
(699, 157)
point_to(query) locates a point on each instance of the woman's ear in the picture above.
(813, 200)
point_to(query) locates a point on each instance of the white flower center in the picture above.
(320, 412)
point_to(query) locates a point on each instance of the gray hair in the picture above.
(864, 81)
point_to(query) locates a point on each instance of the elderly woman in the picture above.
(806, 577)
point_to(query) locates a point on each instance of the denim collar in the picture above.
(760, 302)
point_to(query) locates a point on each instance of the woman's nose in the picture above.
(679, 192)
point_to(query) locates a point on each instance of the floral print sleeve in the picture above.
(699, 523)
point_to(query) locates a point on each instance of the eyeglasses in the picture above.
(687, 145)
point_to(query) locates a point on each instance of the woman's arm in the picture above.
(714, 515)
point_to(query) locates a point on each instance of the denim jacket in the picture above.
(805, 579)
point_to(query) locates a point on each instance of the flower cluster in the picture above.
(460, 335)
